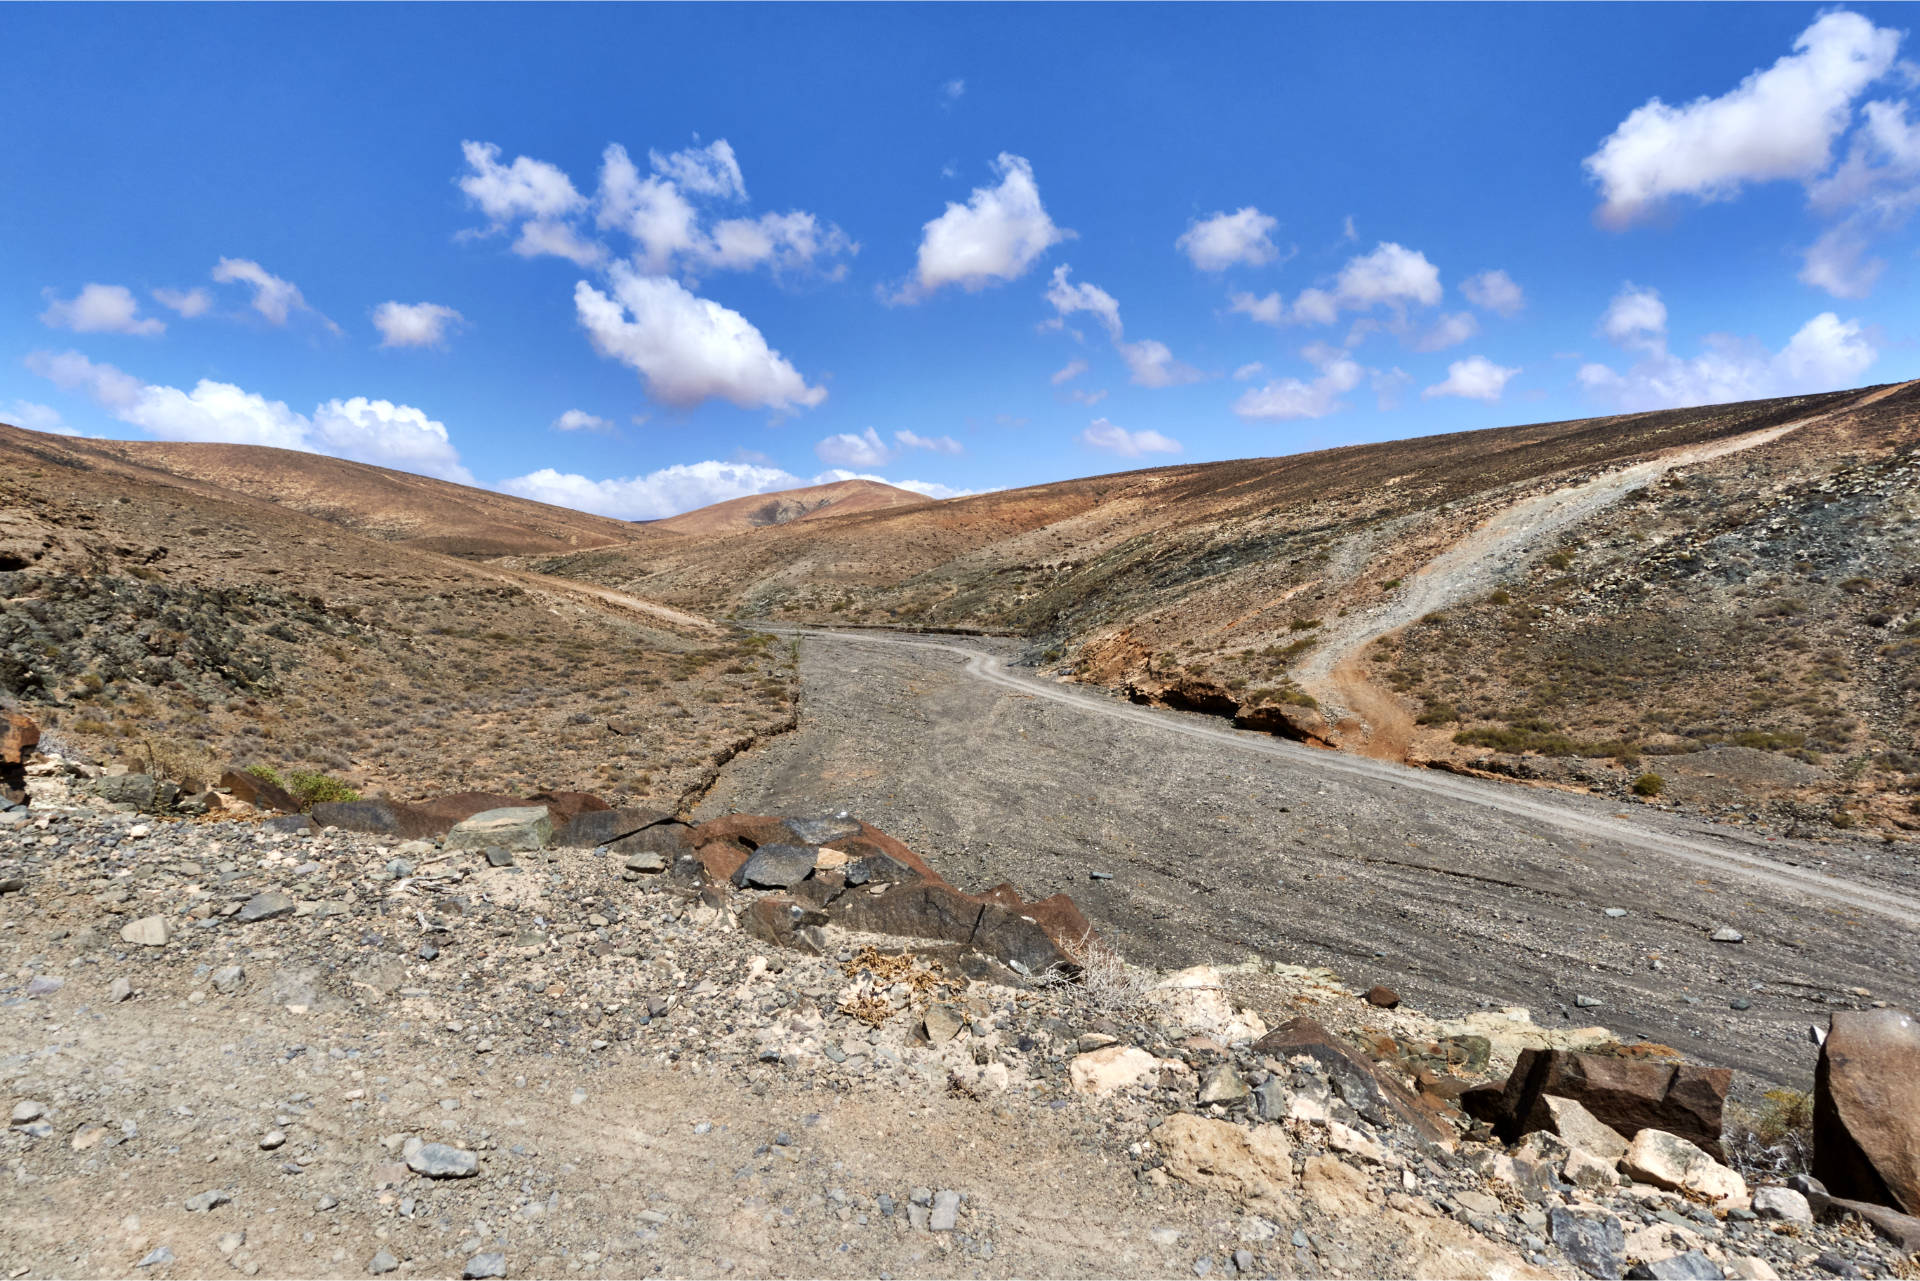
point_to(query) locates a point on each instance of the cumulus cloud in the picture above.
(188, 302)
(1494, 291)
(996, 236)
(951, 91)
(848, 450)
(1475, 378)
(711, 170)
(275, 299)
(35, 417)
(1226, 239)
(1285, 399)
(369, 431)
(414, 324)
(688, 349)
(547, 237)
(1636, 318)
(1778, 123)
(1252, 369)
(581, 420)
(1101, 434)
(1449, 331)
(932, 489)
(100, 309)
(937, 444)
(1069, 371)
(1390, 275)
(527, 188)
(1151, 363)
(1826, 353)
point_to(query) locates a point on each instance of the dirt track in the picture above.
(1456, 892)
(1476, 565)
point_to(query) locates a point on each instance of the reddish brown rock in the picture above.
(934, 910)
(1374, 1095)
(258, 792)
(1063, 921)
(784, 923)
(721, 859)
(1383, 997)
(566, 806)
(1627, 1094)
(1284, 720)
(18, 737)
(754, 830)
(1866, 1109)
(1004, 894)
(592, 828)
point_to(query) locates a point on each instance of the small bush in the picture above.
(267, 774)
(1649, 785)
(1561, 560)
(1437, 714)
(1389, 585)
(1303, 624)
(1499, 596)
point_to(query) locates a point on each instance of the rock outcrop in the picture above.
(1866, 1108)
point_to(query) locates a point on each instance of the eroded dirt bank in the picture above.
(1216, 852)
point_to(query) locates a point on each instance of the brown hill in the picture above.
(1626, 616)
(176, 621)
(393, 506)
(757, 511)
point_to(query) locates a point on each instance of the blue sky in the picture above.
(640, 259)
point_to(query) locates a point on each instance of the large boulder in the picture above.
(518, 827)
(937, 911)
(375, 818)
(1866, 1109)
(1625, 1094)
(142, 791)
(258, 792)
(1252, 1165)
(777, 867)
(591, 828)
(1668, 1161)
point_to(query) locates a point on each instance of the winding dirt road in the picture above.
(1493, 553)
(1186, 841)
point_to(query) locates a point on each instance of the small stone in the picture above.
(1383, 997)
(382, 1263)
(265, 907)
(946, 1211)
(1616, 912)
(148, 931)
(271, 1140)
(207, 1200)
(44, 984)
(158, 1257)
(442, 1161)
(1099, 876)
(1727, 934)
(28, 1110)
(486, 1265)
(1222, 1084)
(1271, 1100)
(498, 857)
(942, 1024)
(1243, 1260)
(121, 989)
(227, 979)
(1587, 1002)
(1782, 1203)
(428, 952)
(1597, 1246)
(1669, 1161)
(230, 1241)
(1739, 1003)
(1690, 1266)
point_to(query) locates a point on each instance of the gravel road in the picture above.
(1222, 843)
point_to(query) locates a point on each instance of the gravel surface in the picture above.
(1225, 844)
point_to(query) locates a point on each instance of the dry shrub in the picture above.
(1773, 1139)
(1105, 984)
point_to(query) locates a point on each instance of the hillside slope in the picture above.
(1749, 619)
(757, 511)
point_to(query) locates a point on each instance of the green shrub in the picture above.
(1437, 714)
(1649, 785)
(1561, 560)
(1389, 585)
(267, 774)
(305, 786)
(1499, 596)
(1303, 624)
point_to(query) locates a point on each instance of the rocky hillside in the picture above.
(757, 511)
(147, 620)
(1737, 633)
(506, 1049)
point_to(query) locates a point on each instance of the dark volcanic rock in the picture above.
(1866, 1109)
(1378, 1098)
(775, 867)
(933, 910)
(1597, 1246)
(18, 737)
(667, 839)
(824, 831)
(592, 828)
(785, 923)
(375, 818)
(1630, 1095)
(137, 790)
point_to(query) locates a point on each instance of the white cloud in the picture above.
(414, 324)
(1101, 434)
(545, 237)
(369, 431)
(274, 298)
(1069, 371)
(1284, 399)
(100, 309)
(689, 349)
(581, 420)
(711, 170)
(1150, 362)
(1826, 353)
(527, 188)
(788, 242)
(1450, 330)
(932, 489)
(1494, 291)
(996, 236)
(1221, 241)
(654, 496)
(1779, 123)
(938, 444)
(1636, 318)
(1475, 378)
(1081, 396)
(388, 435)
(1347, 230)
(35, 417)
(1268, 310)
(188, 302)
(1249, 370)
(952, 90)
(848, 450)
(651, 210)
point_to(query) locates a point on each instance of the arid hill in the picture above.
(757, 511)
(1720, 604)
(393, 506)
(184, 624)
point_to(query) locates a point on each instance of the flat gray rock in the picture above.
(441, 1161)
(485, 1265)
(777, 867)
(516, 827)
(265, 907)
(824, 830)
(382, 1263)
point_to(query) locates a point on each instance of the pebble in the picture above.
(156, 1258)
(271, 1140)
(485, 1265)
(381, 1263)
(1727, 934)
(946, 1211)
(442, 1161)
(207, 1200)
(121, 989)
(1616, 912)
